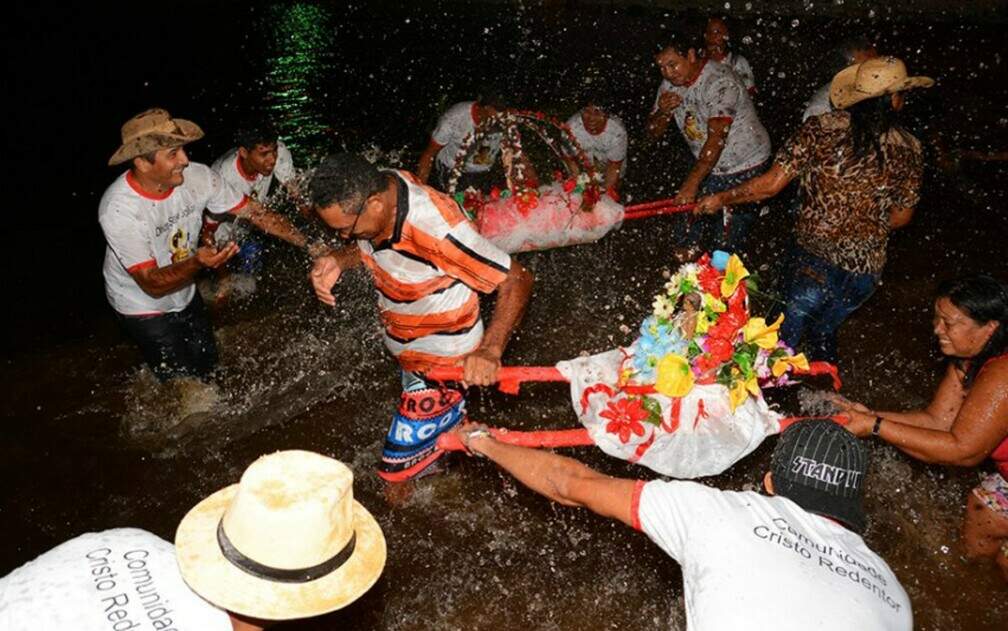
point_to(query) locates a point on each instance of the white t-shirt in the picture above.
(118, 580)
(717, 92)
(609, 145)
(741, 66)
(256, 186)
(457, 123)
(818, 104)
(755, 562)
(142, 230)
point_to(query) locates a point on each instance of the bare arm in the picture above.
(759, 188)
(561, 479)
(161, 281)
(272, 223)
(612, 175)
(980, 424)
(480, 367)
(710, 153)
(659, 119)
(427, 160)
(328, 269)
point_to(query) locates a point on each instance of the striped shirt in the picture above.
(427, 275)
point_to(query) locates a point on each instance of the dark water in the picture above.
(468, 549)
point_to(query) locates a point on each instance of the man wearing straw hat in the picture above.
(151, 217)
(861, 175)
(790, 561)
(288, 541)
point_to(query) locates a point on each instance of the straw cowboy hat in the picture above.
(152, 130)
(288, 541)
(872, 78)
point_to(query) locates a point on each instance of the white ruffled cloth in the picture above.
(698, 436)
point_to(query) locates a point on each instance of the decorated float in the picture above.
(525, 215)
(685, 399)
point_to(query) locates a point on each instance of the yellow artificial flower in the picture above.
(675, 378)
(764, 335)
(625, 376)
(741, 389)
(781, 365)
(714, 304)
(734, 274)
(702, 323)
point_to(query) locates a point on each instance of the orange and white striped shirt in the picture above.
(427, 275)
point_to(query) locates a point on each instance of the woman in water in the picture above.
(967, 420)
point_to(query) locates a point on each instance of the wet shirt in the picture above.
(427, 276)
(117, 580)
(844, 217)
(755, 562)
(453, 127)
(741, 66)
(609, 145)
(818, 104)
(718, 93)
(255, 186)
(144, 230)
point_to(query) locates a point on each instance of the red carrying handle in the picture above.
(509, 378)
(664, 207)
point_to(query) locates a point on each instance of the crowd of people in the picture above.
(288, 541)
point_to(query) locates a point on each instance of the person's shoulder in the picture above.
(574, 120)
(118, 196)
(199, 176)
(459, 110)
(225, 161)
(899, 138)
(617, 125)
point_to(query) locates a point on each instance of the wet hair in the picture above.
(984, 299)
(870, 121)
(345, 179)
(251, 137)
(681, 39)
(596, 93)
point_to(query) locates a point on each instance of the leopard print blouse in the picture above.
(845, 213)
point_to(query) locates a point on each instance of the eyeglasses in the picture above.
(360, 211)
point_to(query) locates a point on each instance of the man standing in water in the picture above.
(717, 119)
(151, 216)
(454, 126)
(792, 561)
(603, 138)
(428, 262)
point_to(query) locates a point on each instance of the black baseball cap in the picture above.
(820, 466)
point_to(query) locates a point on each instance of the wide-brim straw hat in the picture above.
(288, 541)
(872, 78)
(153, 130)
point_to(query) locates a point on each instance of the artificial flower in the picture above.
(789, 362)
(625, 416)
(757, 331)
(741, 389)
(675, 378)
(734, 274)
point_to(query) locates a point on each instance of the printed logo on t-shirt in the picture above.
(691, 128)
(128, 590)
(178, 245)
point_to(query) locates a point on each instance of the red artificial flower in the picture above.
(569, 185)
(495, 193)
(625, 416)
(590, 197)
(720, 349)
(705, 369)
(558, 176)
(613, 194)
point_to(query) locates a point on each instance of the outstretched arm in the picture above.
(272, 223)
(759, 188)
(710, 153)
(558, 478)
(480, 367)
(161, 281)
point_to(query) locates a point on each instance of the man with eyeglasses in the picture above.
(428, 264)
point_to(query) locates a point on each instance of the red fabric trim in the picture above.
(472, 113)
(406, 474)
(241, 171)
(703, 64)
(141, 192)
(142, 265)
(635, 504)
(720, 118)
(244, 202)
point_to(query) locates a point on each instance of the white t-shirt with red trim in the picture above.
(717, 92)
(453, 127)
(144, 230)
(741, 66)
(609, 145)
(116, 580)
(750, 561)
(255, 186)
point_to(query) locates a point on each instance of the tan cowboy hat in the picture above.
(872, 78)
(152, 130)
(288, 541)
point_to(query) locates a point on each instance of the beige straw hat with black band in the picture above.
(153, 130)
(288, 541)
(872, 78)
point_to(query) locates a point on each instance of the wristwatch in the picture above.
(878, 425)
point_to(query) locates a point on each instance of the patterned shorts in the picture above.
(993, 492)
